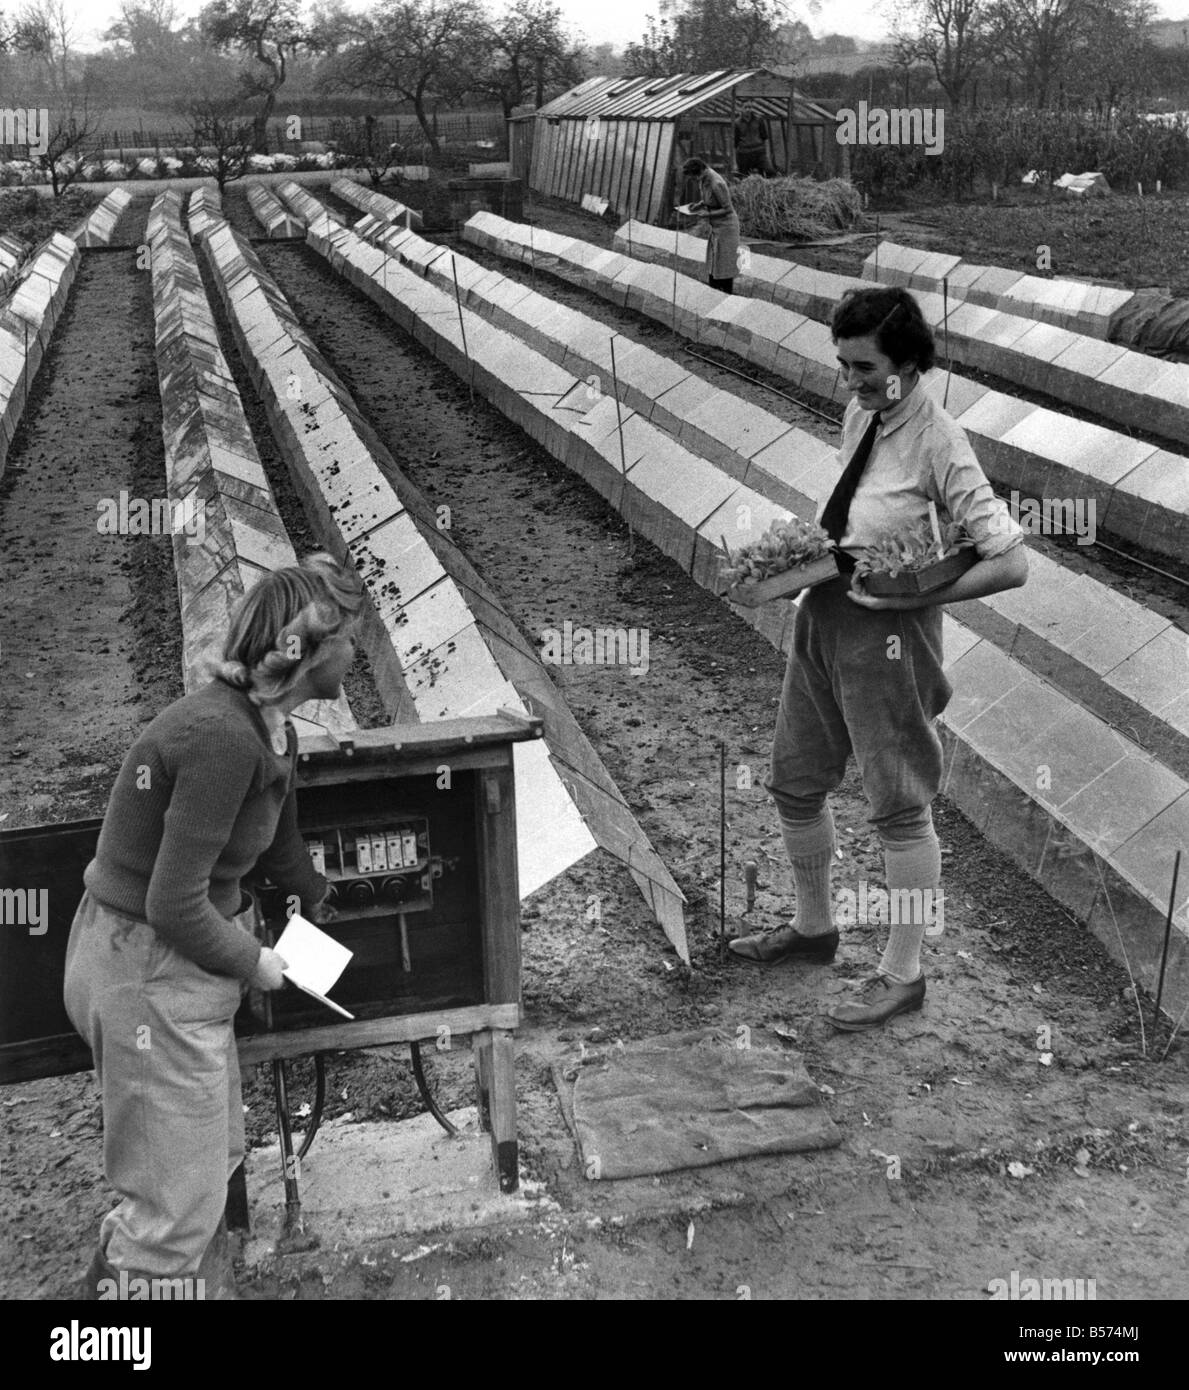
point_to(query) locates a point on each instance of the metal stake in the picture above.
(676, 256)
(722, 843)
(1172, 900)
(463, 328)
(623, 461)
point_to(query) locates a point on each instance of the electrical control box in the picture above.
(413, 825)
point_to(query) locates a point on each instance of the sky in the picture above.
(617, 21)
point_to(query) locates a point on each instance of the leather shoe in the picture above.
(786, 943)
(878, 1000)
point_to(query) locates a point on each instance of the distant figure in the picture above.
(722, 249)
(753, 144)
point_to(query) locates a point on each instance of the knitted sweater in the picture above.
(200, 799)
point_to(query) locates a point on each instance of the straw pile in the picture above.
(793, 209)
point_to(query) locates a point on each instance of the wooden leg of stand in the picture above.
(503, 1110)
(236, 1211)
(481, 1043)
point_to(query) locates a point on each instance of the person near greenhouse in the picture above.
(864, 675)
(722, 246)
(753, 144)
(162, 945)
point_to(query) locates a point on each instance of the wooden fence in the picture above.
(457, 127)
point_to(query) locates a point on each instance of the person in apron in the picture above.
(865, 673)
(722, 247)
(162, 946)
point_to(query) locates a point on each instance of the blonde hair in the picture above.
(277, 628)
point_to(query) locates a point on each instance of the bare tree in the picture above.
(1036, 38)
(45, 30)
(950, 35)
(149, 28)
(703, 35)
(269, 32)
(413, 50)
(71, 134)
(216, 124)
(1112, 62)
(528, 49)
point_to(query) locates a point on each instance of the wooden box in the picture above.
(909, 582)
(785, 585)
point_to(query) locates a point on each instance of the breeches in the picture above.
(868, 682)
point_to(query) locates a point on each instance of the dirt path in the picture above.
(90, 626)
(956, 1093)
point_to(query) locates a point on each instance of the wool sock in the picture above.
(810, 846)
(910, 864)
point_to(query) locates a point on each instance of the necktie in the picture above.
(837, 509)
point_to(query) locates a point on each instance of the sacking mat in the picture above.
(688, 1100)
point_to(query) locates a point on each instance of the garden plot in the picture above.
(271, 213)
(212, 469)
(1139, 492)
(1004, 338)
(1125, 807)
(453, 649)
(27, 321)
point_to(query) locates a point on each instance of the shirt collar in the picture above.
(903, 410)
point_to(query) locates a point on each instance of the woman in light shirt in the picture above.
(865, 672)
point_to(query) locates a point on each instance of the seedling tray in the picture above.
(785, 584)
(908, 582)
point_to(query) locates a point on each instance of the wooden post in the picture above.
(500, 895)
(731, 139)
(788, 134)
(499, 892)
(502, 1107)
(481, 1047)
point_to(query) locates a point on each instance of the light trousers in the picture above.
(161, 1033)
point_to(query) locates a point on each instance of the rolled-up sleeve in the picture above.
(967, 496)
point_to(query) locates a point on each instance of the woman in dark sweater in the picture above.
(161, 949)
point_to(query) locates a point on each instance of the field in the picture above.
(1122, 239)
(1074, 1168)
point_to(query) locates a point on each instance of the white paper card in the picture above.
(313, 960)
